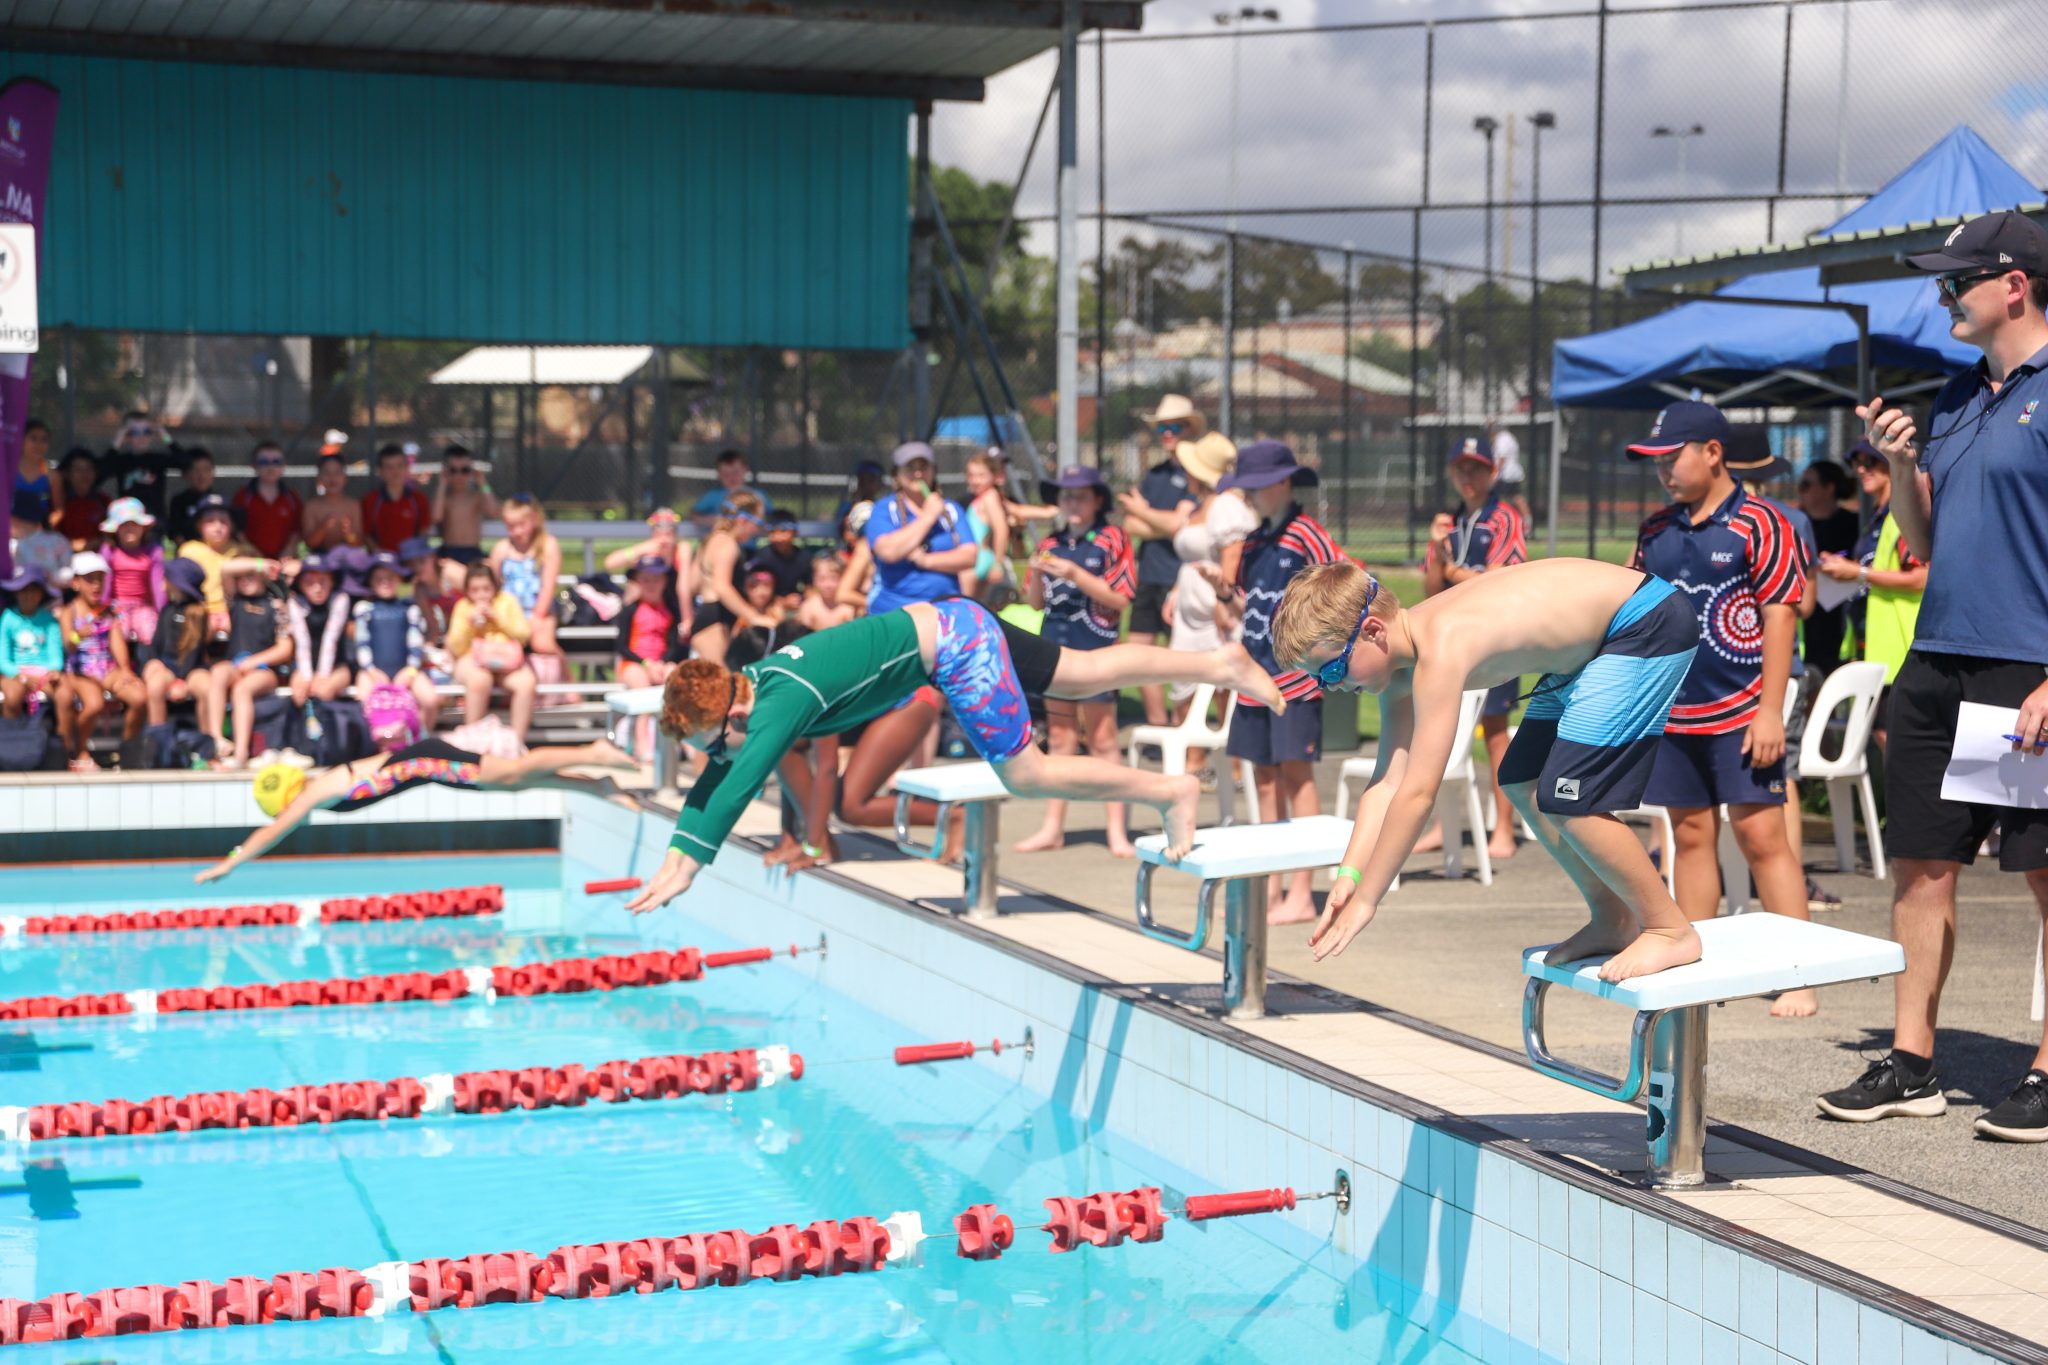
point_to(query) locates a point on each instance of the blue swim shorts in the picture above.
(971, 664)
(1589, 739)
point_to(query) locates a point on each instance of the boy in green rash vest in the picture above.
(988, 670)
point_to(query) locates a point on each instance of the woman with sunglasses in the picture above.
(987, 670)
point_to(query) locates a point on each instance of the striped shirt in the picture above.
(1073, 619)
(1744, 557)
(1272, 557)
(1489, 536)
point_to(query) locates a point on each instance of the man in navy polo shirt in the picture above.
(1282, 749)
(1978, 484)
(1486, 533)
(1165, 489)
(1738, 561)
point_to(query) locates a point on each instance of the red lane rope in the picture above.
(784, 1252)
(615, 884)
(560, 976)
(455, 902)
(411, 1097)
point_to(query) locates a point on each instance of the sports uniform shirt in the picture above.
(823, 684)
(1164, 487)
(271, 526)
(901, 583)
(1072, 617)
(1744, 557)
(1985, 454)
(1809, 548)
(1490, 536)
(390, 522)
(1272, 556)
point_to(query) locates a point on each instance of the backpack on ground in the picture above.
(30, 744)
(342, 734)
(176, 744)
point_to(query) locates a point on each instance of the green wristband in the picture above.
(811, 852)
(1351, 872)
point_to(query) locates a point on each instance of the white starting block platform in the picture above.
(628, 705)
(1741, 956)
(1239, 858)
(975, 786)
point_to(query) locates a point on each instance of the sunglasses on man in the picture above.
(1960, 282)
(1169, 428)
(270, 462)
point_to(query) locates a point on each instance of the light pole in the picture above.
(1236, 21)
(1685, 137)
(1539, 122)
(1487, 126)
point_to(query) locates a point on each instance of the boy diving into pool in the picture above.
(832, 680)
(1612, 644)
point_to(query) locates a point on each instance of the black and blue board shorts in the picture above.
(1588, 740)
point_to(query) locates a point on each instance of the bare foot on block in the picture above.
(1796, 1005)
(1042, 842)
(804, 858)
(1653, 952)
(1599, 938)
(1248, 677)
(1179, 815)
(783, 853)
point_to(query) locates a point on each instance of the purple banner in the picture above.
(28, 122)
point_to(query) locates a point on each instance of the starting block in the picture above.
(1740, 957)
(626, 706)
(1239, 859)
(975, 786)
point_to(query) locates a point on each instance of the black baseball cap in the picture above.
(1680, 423)
(2004, 240)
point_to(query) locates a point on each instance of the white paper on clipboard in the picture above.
(1829, 593)
(1982, 768)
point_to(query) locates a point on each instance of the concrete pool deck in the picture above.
(1426, 1005)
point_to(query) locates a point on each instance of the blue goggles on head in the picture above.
(1332, 673)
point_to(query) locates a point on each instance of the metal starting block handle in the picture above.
(1205, 897)
(906, 841)
(1626, 1089)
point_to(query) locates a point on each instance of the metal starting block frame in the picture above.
(1740, 957)
(975, 786)
(1239, 858)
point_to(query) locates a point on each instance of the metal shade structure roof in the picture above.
(930, 49)
(1843, 257)
(564, 365)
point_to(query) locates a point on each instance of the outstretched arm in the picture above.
(1422, 736)
(290, 818)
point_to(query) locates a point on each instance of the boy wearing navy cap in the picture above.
(1486, 533)
(1739, 563)
(1282, 749)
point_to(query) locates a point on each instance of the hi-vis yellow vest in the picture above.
(1892, 612)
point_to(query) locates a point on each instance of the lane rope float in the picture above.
(455, 902)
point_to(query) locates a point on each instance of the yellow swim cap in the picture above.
(277, 786)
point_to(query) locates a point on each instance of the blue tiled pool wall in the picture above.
(1510, 1262)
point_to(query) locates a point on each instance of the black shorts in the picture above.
(1148, 615)
(464, 555)
(1034, 658)
(1921, 734)
(1261, 737)
(708, 612)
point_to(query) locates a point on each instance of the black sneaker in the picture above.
(2024, 1115)
(1885, 1091)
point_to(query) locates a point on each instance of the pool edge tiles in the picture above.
(1510, 1247)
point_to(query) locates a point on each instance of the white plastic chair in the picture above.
(1457, 803)
(1195, 732)
(1857, 686)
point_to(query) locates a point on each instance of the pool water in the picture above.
(856, 1136)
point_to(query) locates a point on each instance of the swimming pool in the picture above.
(855, 1136)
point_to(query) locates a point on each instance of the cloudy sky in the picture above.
(1334, 118)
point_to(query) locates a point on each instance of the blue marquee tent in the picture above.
(1800, 357)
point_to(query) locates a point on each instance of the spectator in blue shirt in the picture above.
(733, 475)
(1977, 483)
(919, 536)
(1157, 508)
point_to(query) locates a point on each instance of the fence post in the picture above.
(1226, 402)
(1344, 441)
(658, 424)
(1414, 371)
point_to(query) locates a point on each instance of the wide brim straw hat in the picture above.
(1207, 459)
(1176, 407)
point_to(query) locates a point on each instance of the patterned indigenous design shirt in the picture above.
(1490, 536)
(1272, 556)
(1744, 557)
(1072, 618)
